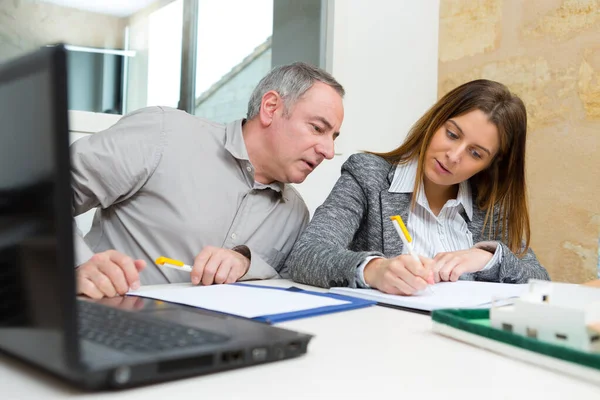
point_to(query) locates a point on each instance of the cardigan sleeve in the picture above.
(511, 269)
(321, 256)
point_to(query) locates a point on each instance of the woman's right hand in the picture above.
(401, 275)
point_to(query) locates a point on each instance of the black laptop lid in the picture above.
(37, 289)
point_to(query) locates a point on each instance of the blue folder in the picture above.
(353, 303)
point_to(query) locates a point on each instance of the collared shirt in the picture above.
(168, 183)
(433, 234)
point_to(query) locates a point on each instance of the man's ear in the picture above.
(270, 104)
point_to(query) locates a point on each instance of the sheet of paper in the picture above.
(461, 294)
(244, 301)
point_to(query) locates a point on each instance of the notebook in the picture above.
(461, 294)
(261, 303)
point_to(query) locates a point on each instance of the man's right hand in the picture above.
(108, 274)
(401, 275)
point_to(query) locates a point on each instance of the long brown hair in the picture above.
(501, 186)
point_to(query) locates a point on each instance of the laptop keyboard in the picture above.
(124, 331)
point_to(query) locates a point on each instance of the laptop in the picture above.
(111, 343)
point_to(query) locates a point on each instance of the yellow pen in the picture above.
(404, 235)
(407, 240)
(175, 264)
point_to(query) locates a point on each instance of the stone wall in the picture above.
(548, 52)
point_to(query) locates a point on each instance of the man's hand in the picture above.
(401, 275)
(450, 266)
(217, 265)
(108, 274)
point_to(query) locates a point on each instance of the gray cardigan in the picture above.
(354, 223)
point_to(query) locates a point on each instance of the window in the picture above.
(165, 28)
(234, 53)
(561, 336)
(532, 333)
(203, 56)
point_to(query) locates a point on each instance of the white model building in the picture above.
(559, 313)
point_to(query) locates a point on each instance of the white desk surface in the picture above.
(374, 352)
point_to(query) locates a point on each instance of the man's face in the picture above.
(461, 148)
(299, 141)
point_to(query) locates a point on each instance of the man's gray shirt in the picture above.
(167, 183)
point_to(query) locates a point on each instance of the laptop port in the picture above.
(294, 347)
(190, 363)
(259, 354)
(278, 353)
(235, 357)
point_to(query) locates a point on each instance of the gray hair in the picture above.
(291, 82)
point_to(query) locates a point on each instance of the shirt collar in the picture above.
(235, 145)
(234, 140)
(404, 178)
(404, 182)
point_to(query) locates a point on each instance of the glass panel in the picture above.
(157, 37)
(95, 80)
(234, 53)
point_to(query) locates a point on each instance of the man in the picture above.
(168, 183)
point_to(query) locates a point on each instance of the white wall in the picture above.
(385, 54)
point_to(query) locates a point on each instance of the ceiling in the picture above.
(119, 8)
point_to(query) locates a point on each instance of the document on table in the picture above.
(461, 294)
(242, 300)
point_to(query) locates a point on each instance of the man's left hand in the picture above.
(218, 265)
(451, 265)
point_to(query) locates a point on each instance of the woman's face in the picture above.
(461, 148)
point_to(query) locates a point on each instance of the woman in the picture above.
(465, 161)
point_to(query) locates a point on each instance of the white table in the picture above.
(374, 352)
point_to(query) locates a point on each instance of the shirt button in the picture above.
(249, 169)
(233, 235)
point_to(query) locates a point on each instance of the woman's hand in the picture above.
(451, 265)
(400, 275)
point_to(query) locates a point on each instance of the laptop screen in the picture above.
(37, 293)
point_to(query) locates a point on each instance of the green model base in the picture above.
(478, 323)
